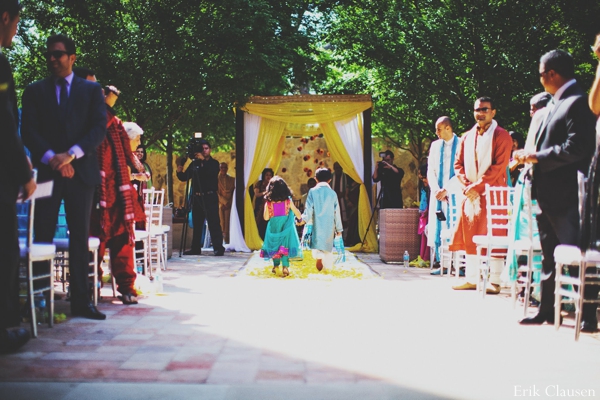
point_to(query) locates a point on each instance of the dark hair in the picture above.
(560, 62)
(277, 190)
(423, 170)
(143, 159)
(83, 72)
(389, 153)
(540, 100)
(262, 176)
(323, 175)
(311, 183)
(423, 173)
(519, 138)
(67, 41)
(486, 99)
(13, 7)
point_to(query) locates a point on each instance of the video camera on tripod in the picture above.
(195, 145)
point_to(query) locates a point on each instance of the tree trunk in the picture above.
(170, 168)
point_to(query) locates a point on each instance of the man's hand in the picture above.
(29, 188)
(198, 156)
(471, 193)
(60, 160)
(67, 171)
(523, 157)
(180, 161)
(441, 195)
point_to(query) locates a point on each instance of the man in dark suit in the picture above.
(565, 143)
(17, 174)
(63, 121)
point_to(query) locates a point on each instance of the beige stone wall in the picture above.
(300, 160)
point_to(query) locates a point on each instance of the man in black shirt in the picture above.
(204, 175)
(391, 178)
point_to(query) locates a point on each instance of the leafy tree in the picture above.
(424, 59)
(181, 65)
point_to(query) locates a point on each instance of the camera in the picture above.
(195, 145)
(440, 215)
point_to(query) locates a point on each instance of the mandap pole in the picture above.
(367, 154)
(239, 166)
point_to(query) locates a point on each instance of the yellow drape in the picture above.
(275, 119)
(339, 153)
(269, 141)
(309, 112)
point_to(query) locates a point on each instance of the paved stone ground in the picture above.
(216, 335)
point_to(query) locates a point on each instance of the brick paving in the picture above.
(404, 333)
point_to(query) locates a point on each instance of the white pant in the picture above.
(325, 256)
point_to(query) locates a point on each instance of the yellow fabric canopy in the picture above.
(284, 114)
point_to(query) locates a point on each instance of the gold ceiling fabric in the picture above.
(304, 115)
(308, 109)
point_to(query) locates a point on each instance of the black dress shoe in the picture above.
(192, 253)
(219, 252)
(538, 320)
(12, 340)
(589, 326)
(88, 311)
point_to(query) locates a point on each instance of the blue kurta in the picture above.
(322, 210)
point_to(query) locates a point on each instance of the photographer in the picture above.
(391, 178)
(203, 172)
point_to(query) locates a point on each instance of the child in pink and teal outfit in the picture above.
(281, 238)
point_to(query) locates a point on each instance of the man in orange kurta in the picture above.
(483, 157)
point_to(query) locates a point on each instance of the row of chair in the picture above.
(507, 209)
(152, 254)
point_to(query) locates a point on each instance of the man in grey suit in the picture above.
(564, 145)
(63, 121)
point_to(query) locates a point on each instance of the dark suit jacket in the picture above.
(566, 144)
(13, 161)
(43, 128)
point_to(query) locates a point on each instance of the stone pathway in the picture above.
(405, 334)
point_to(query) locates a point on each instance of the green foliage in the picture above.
(424, 59)
(181, 65)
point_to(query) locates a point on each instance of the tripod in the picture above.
(379, 196)
(195, 186)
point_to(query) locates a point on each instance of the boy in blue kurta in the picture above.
(322, 210)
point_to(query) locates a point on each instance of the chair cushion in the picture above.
(62, 244)
(38, 251)
(140, 235)
(567, 254)
(524, 244)
(495, 241)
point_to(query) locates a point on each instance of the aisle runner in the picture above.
(305, 268)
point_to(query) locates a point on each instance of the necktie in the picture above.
(64, 97)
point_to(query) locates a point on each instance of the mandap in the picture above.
(261, 126)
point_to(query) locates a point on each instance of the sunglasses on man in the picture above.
(56, 54)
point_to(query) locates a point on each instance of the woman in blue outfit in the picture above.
(281, 238)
